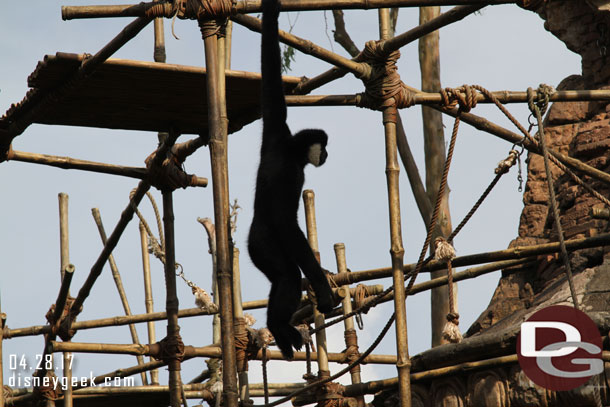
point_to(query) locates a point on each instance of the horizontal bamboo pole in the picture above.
(375, 386)
(68, 163)
(424, 98)
(191, 351)
(254, 6)
(131, 319)
(519, 252)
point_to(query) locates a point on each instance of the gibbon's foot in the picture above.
(295, 338)
(325, 299)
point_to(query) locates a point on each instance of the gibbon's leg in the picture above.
(306, 260)
(284, 299)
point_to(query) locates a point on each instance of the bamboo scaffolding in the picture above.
(348, 324)
(403, 363)
(171, 300)
(46, 98)
(126, 217)
(519, 252)
(249, 6)
(64, 256)
(361, 70)
(442, 20)
(491, 128)
(148, 297)
(116, 276)
(318, 317)
(425, 98)
(68, 163)
(375, 386)
(204, 351)
(242, 372)
(218, 154)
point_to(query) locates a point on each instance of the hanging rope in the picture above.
(445, 252)
(526, 135)
(265, 382)
(466, 98)
(538, 103)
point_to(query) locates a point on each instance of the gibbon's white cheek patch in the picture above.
(315, 151)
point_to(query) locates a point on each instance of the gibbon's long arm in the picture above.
(274, 103)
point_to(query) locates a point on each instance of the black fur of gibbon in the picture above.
(276, 244)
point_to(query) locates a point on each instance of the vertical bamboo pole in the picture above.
(318, 317)
(64, 255)
(159, 52)
(2, 322)
(347, 308)
(228, 42)
(119, 286)
(218, 155)
(148, 297)
(434, 148)
(171, 302)
(403, 363)
(242, 376)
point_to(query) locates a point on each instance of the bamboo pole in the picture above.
(171, 302)
(126, 216)
(361, 70)
(312, 237)
(218, 155)
(68, 163)
(405, 38)
(434, 148)
(254, 6)
(492, 128)
(148, 297)
(116, 276)
(519, 252)
(425, 98)
(214, 351)
(348, 323)
(403, 363)
(64, 255)
(242, 374)
(48, 97)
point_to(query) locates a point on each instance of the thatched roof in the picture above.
(136, 95)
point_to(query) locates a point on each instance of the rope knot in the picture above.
(539, 98)
(384, 88)
(171, 348)
(203, 300)
(507, 163)
(465, 96)
(444, 251)
(451, 330)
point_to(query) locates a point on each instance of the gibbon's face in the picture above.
(317, 154)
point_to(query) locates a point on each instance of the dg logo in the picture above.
(560, 348)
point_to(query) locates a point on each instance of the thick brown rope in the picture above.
(538, 104)
(265, 381)
(467, 100)
(384, 88)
